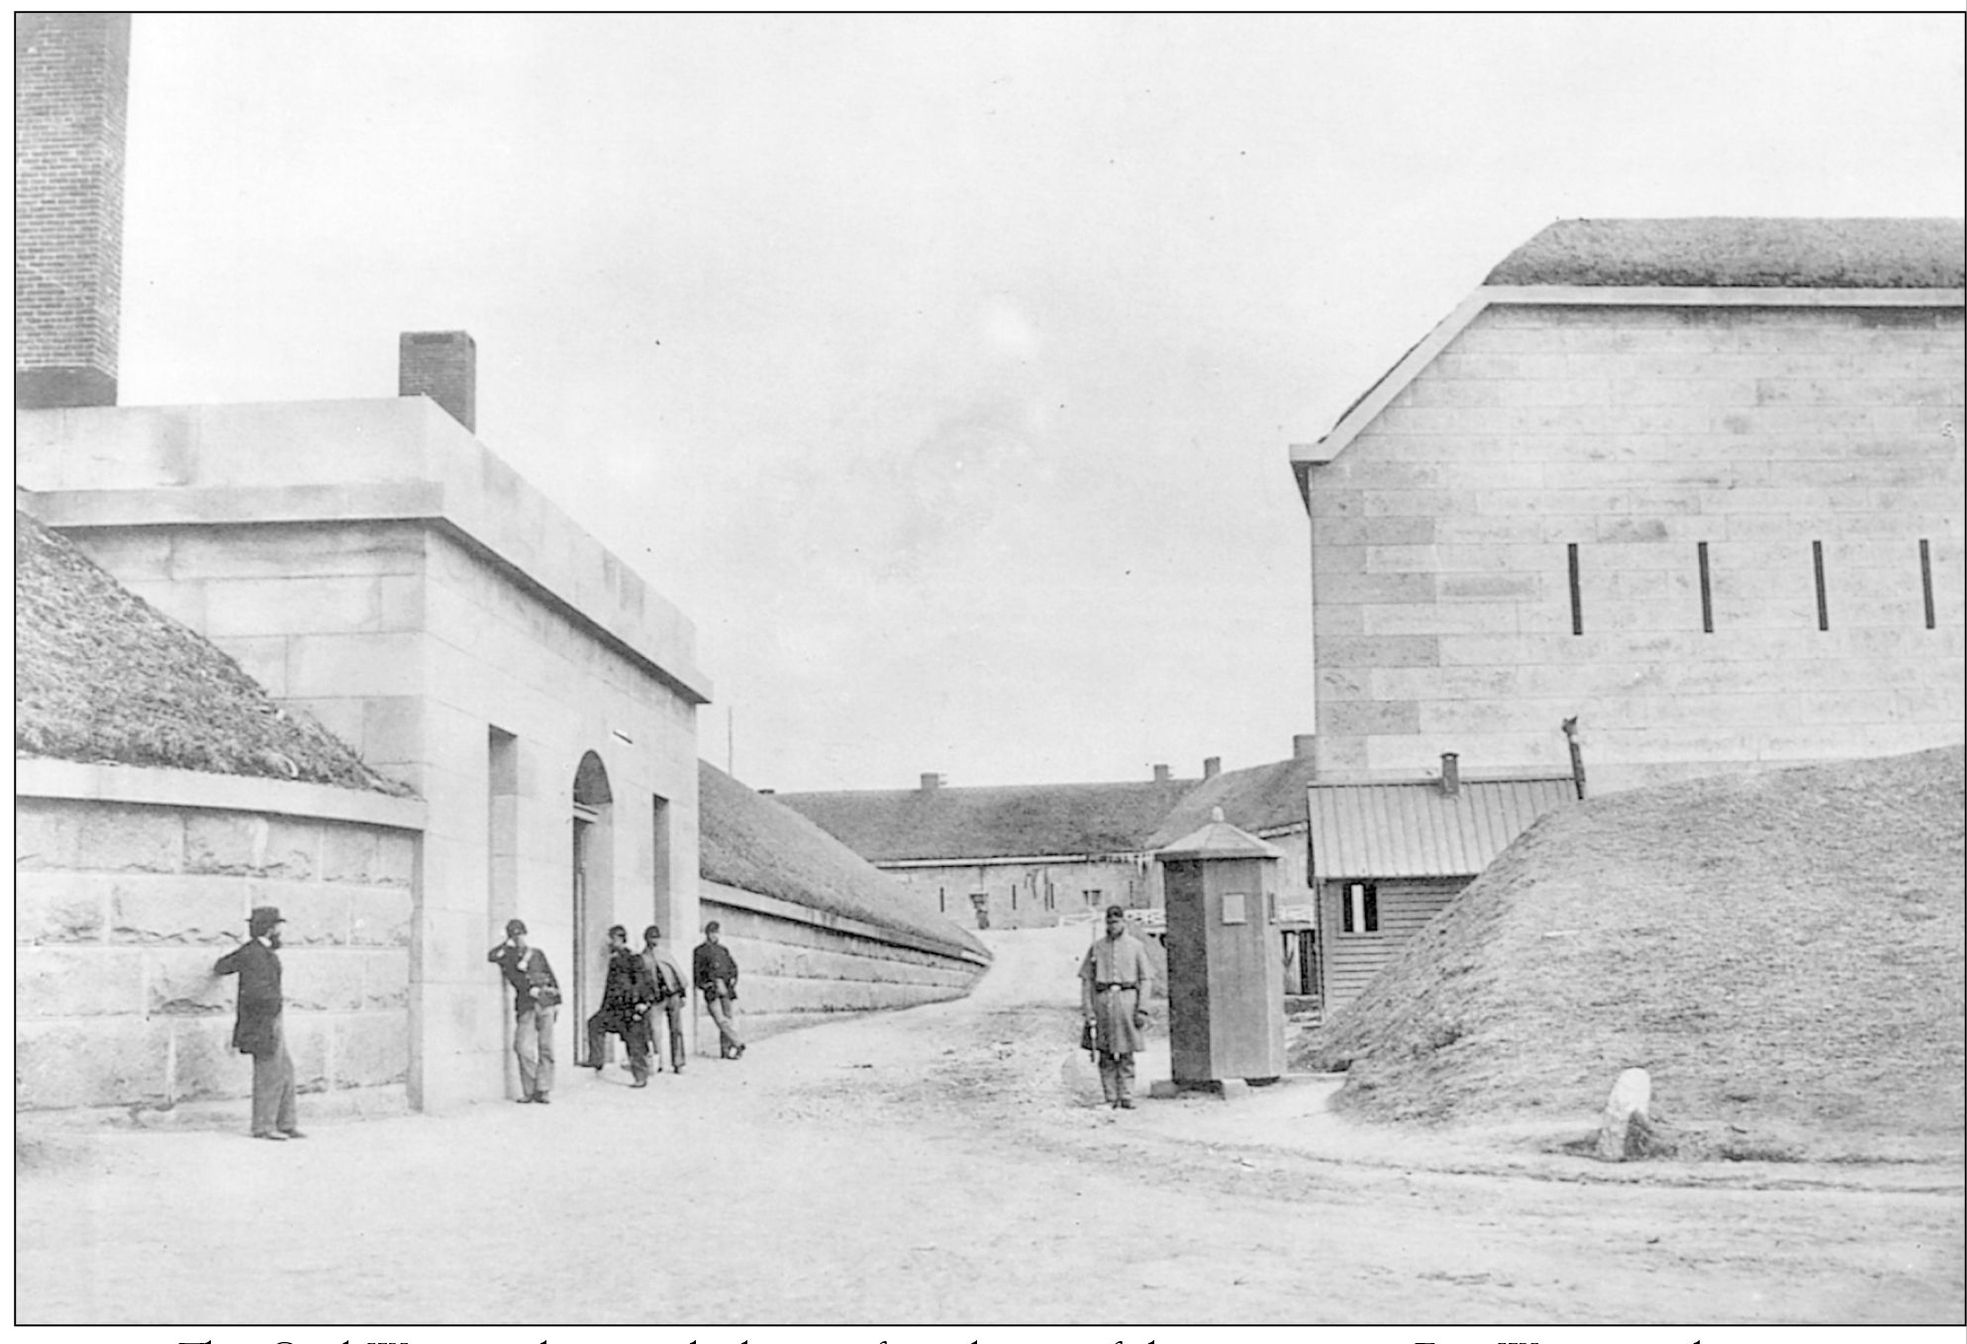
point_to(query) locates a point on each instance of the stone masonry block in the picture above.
(316, 913)
(324, 980)
(46, 834)
(223, 842)
(379, 916)
(78, 981)
(295, 606)
(385, 981)
(1350, 718)
(203, 1063)
(348, 853)
(1436, 618)
(1380, 531)
(263, 658)
(370, 1049)
(115, 838)
(396, 858)
(181, 981)
(1491, 587)
(1392, 588)
(59, 907)
(1391, 651)
(308, 1042)
(355, 664)
(206, 911)
(293, 848)
(294, 550)
(99, 1062)
(1340, 683)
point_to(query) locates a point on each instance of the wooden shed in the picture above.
(1387, 857)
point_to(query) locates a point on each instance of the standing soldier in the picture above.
(716, 974)
(535, 1003)
(260, 1030)
(1113, 982)
(671, 997)
(625, 1003)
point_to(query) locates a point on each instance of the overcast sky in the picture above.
(944, 370)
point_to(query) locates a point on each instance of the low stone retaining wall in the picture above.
(798, 966)
(130, 883)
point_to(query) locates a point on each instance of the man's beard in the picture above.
(273, 939)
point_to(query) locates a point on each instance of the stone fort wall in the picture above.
(122, 906)
(1640, 444)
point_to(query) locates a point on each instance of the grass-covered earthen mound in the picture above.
(1781, 951)
(100, 675)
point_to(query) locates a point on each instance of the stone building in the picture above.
(1697, 483)
(1694, 484)
(377, 570)
(1015, 855)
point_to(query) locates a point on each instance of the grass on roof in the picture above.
(100, 675)
(1750, 252)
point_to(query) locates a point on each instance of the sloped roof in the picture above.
(887, 825)
(1416, 830)
(1260, 798)
(748, 840)
(101, 675)
(1723, 252)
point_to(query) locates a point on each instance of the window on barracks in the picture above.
(1093, 895)
(1359, 908)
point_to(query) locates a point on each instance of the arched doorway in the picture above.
(591, 885)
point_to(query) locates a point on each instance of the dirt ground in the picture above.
(948, 1164)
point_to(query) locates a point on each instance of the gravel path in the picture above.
(947, 1164)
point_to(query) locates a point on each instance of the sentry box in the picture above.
(1225, 980)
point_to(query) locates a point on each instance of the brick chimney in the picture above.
(1211, 766)
(1451, 774)
(1160, 774)
(931, 781)
(441, 365)
(71, 90)
(1303, 746)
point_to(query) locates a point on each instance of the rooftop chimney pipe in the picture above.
(931, 781)
(1160, 774)
(1211, 766)
(1451, 774)
(1302, 745)
(441, 365)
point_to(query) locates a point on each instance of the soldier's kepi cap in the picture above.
(263, 918)
(513, 926)
(1113, 910)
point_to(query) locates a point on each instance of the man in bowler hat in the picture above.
(259, 1030)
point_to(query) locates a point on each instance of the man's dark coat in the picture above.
(258, 969)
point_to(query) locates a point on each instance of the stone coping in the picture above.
(44, 777)
(372, 459)
(716, 893)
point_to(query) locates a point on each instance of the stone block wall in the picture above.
(121, 910)
(796, 967)
(1443, 541)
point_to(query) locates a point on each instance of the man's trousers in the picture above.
(720, 1013)
(1117, 1076)
(672, 1008)
(632, 1027)
(532, 1041)
(273, 1086)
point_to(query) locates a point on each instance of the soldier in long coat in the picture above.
(1113, 985)
(259, 1030)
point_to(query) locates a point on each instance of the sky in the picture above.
(944, 370)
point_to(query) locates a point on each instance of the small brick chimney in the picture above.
(1451, 774)
(1211, 766)
(931, 781)
(71, 92)
(1303, 746)
(441, 365)
(1160, 774)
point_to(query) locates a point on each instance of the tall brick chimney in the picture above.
(441, 365)
(71, 91)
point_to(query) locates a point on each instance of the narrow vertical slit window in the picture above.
(1577, 598)
(1926, 578)
(1823, 605)
(1707, 593)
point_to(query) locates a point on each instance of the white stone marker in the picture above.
(1631, 1096)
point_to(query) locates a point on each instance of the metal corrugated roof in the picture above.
(1415, 830)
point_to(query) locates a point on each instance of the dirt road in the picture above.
(947, 1164)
